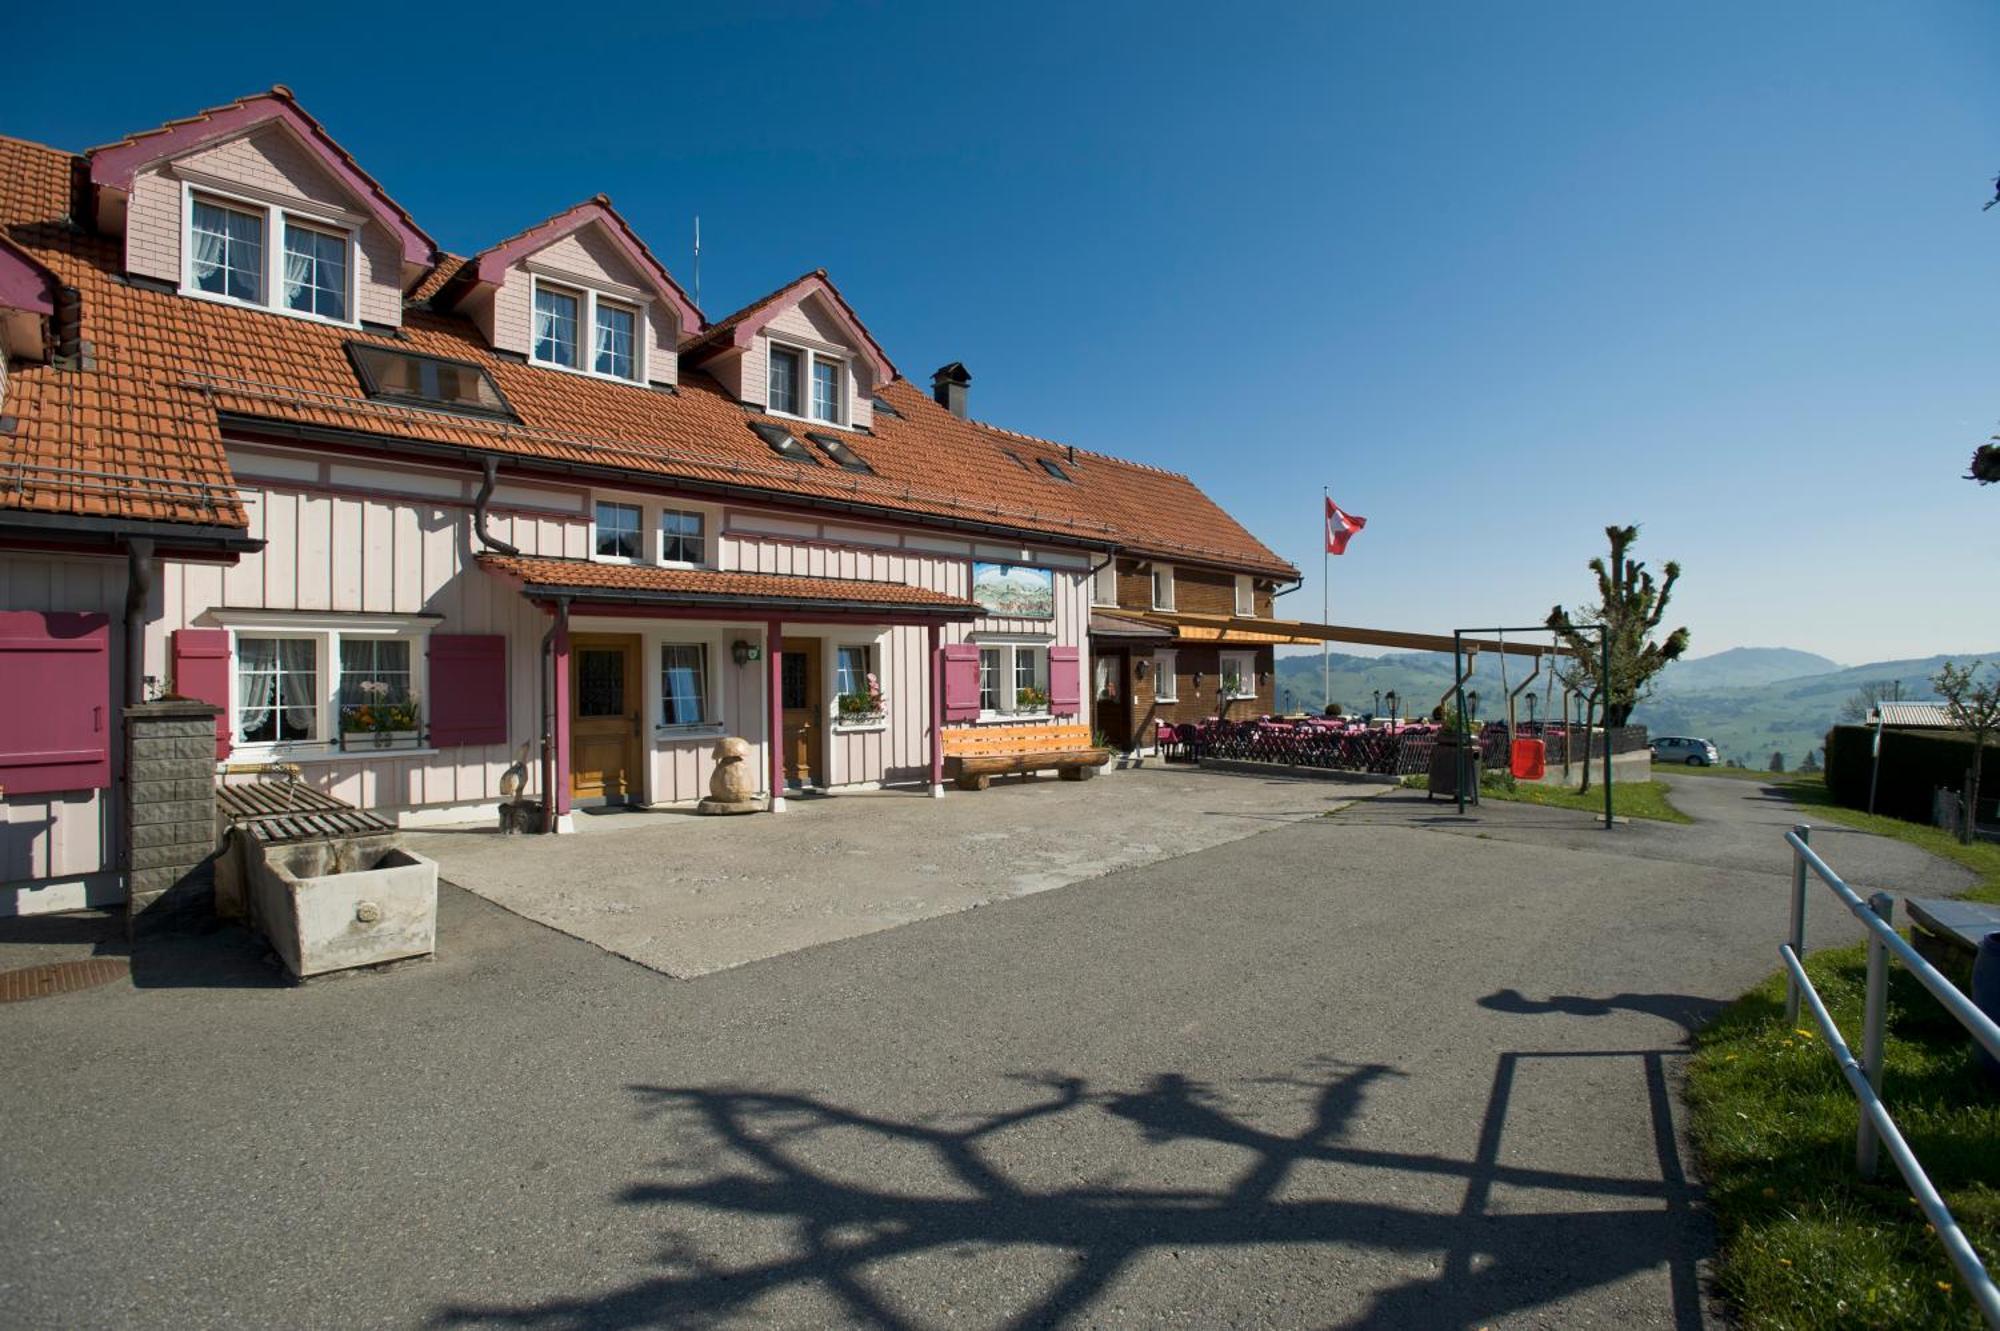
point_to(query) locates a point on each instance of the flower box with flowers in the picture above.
(380, 723)
(862, 707)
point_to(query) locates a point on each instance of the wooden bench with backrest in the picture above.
(974, 755)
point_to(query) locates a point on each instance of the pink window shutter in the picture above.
(55, 701)
(1065, 681)
(468, 699)
(961, 681)
(201, 672)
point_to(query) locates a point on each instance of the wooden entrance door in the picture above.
(1113, 706)
(805, 721)
(605, 704)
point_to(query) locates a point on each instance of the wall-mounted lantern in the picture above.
(743, 653)
(1140, 670)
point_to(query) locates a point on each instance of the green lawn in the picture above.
(1629, 799)
(1805, 1242)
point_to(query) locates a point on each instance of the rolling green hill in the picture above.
(1747, 701)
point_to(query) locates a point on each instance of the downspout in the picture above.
(492, 474)
(556, 621)
(139, 569)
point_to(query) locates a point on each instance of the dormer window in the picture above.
(315, 271)
(826, 390)
(561, 315)
(783, 394)
(617, 340)
(228, 251)
(230, 257)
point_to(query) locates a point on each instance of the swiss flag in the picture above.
(1340, 528)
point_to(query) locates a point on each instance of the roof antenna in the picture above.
(697, 260)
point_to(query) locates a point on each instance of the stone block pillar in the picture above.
(170, 834)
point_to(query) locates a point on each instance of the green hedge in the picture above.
(1914, 763)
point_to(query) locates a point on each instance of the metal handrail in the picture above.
(1864, 1077)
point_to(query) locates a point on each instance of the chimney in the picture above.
(949, 386)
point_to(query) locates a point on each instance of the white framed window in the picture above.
(582, 329)
(618, 531)
(278, 694)
(1246, 595)
(1239, 675)
(828, 378)
(1163, 586)
(558, 314)
(781, 388)
(315, 271)
(1014, 679)
(1166, 677)
(852, 667)
(684, 681)
(1104, 584)
(306, 691)
(227, 250)
(262, 254)
(617, 340)
(681, 538)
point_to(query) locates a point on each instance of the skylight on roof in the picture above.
(882, 405)
(1054, 468)
(412, 380)
(782, 443)
(838, 450)
(1016, 457)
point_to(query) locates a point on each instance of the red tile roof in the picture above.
(139, 436)
(701, 585)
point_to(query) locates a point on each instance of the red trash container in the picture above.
(1529, 759)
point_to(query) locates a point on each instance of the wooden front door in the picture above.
(605, 702)
(799, 687)
(1113, 706)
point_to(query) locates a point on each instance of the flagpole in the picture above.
(1325, 573)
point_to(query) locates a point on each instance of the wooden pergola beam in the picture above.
(1301, 633)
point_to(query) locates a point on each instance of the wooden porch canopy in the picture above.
(1247, 630)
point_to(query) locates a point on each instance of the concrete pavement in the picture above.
(687, 895)
(1371, 1070)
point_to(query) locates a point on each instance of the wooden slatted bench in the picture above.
(974, 755)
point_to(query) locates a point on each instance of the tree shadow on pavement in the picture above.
(751, 1166)
(1688, 1011)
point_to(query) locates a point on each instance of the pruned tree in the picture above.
(1630, 606)
(1866, 698)
(1972, 707)
(1985, 463)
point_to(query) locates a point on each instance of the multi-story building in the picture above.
(411, 519)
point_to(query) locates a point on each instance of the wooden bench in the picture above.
(974, 755)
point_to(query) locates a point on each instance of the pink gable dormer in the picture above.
(271, 170)
(773, 352)
(582, 292)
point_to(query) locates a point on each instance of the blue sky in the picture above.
(1498, 274)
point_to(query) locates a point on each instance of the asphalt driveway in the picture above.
(1380, 1069)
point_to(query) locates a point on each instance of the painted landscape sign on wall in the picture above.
(1015, 590)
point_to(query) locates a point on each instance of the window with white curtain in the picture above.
(227, 251)
(1014, 679)
(1239, 675)
(556, 318)
(277, 689)
(617, 340)
(684, 683)
(1166, 677)
(852, 667)
(263, 254)
(1163, 587)
(1246, 595)
(1104, 584)
(315, 271)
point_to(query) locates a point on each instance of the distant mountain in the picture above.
(1770, 710)
(1740, 667)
